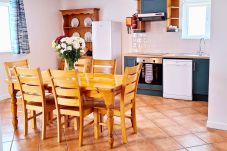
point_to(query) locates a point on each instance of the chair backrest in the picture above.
(130, 83)
(65, 88)
(31, 84)
(104, 66)
(83, 65)
(10, 65)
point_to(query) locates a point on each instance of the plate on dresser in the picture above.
(87, 22)
(76, 34)
(75, 22)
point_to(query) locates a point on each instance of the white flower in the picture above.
(69, 40)
(63, 45)
(63, 39)
(62, 51)
(76, 44)
(69, 48)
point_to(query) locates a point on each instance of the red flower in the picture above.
(58, 39)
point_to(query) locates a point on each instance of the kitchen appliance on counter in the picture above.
(177, 79)
(106, 41)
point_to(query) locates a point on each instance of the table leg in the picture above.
(14, 110)
(109, 99)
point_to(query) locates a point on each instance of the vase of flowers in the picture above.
(70, 49)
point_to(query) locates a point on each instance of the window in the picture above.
(5, 41)
(196, 19)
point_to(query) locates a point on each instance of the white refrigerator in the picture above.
(106, 41)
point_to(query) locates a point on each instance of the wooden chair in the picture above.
(33, 97)
(127, 102)
(68, 99)
(83, 65)
(104, 66)
(10, 72)
(11, 89)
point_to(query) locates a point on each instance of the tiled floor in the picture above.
(163, 125)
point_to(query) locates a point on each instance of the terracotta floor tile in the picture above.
(25, 145)
(147, 109)
(164, 107)
(202, 148)
(153, 133)
(171, 113)
(141, 146)
(189, 140)
(165, 122)
(51, 144)
(210, 137)
(187, 111)
(176, 131)
(221, 146)
(166, 144)
(155, 115)
(203, 110)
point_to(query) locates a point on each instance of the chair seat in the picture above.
(50, 104)
(87, 109)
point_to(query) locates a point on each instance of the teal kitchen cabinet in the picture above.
(129, 61)
(153, 6)
(200, 79)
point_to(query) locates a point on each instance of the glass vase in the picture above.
(69, 65)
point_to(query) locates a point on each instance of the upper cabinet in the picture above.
(153, 6)
(173, 15)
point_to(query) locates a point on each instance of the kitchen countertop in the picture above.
(168, 55)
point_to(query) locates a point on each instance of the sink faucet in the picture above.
(201, 47)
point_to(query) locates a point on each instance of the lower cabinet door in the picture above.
(200, 79)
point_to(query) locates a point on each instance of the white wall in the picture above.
(218, 72)
(158, 38)
(44, 25)
(115, 10)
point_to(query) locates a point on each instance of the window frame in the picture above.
(6, 4)
(186, 4)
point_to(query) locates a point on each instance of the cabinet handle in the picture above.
(193, 66)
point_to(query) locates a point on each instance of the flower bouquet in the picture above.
(70, 49)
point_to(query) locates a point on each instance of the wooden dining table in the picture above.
(94, 85)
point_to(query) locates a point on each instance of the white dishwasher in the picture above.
(177, 79)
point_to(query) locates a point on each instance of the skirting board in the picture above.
(217, 125)
(4, 96)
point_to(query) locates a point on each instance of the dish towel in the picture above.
(148, 73)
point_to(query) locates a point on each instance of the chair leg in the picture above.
(81, 130)
(76, 123)
(101, 121)
(44, 123)
(25, 122)
(123, 128)
(133, 119)
(96, 124)
(59, 127)
(51, 115)
(33, 113)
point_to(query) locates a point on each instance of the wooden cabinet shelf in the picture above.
(173, 13)
(80, 14)
(76, 27)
